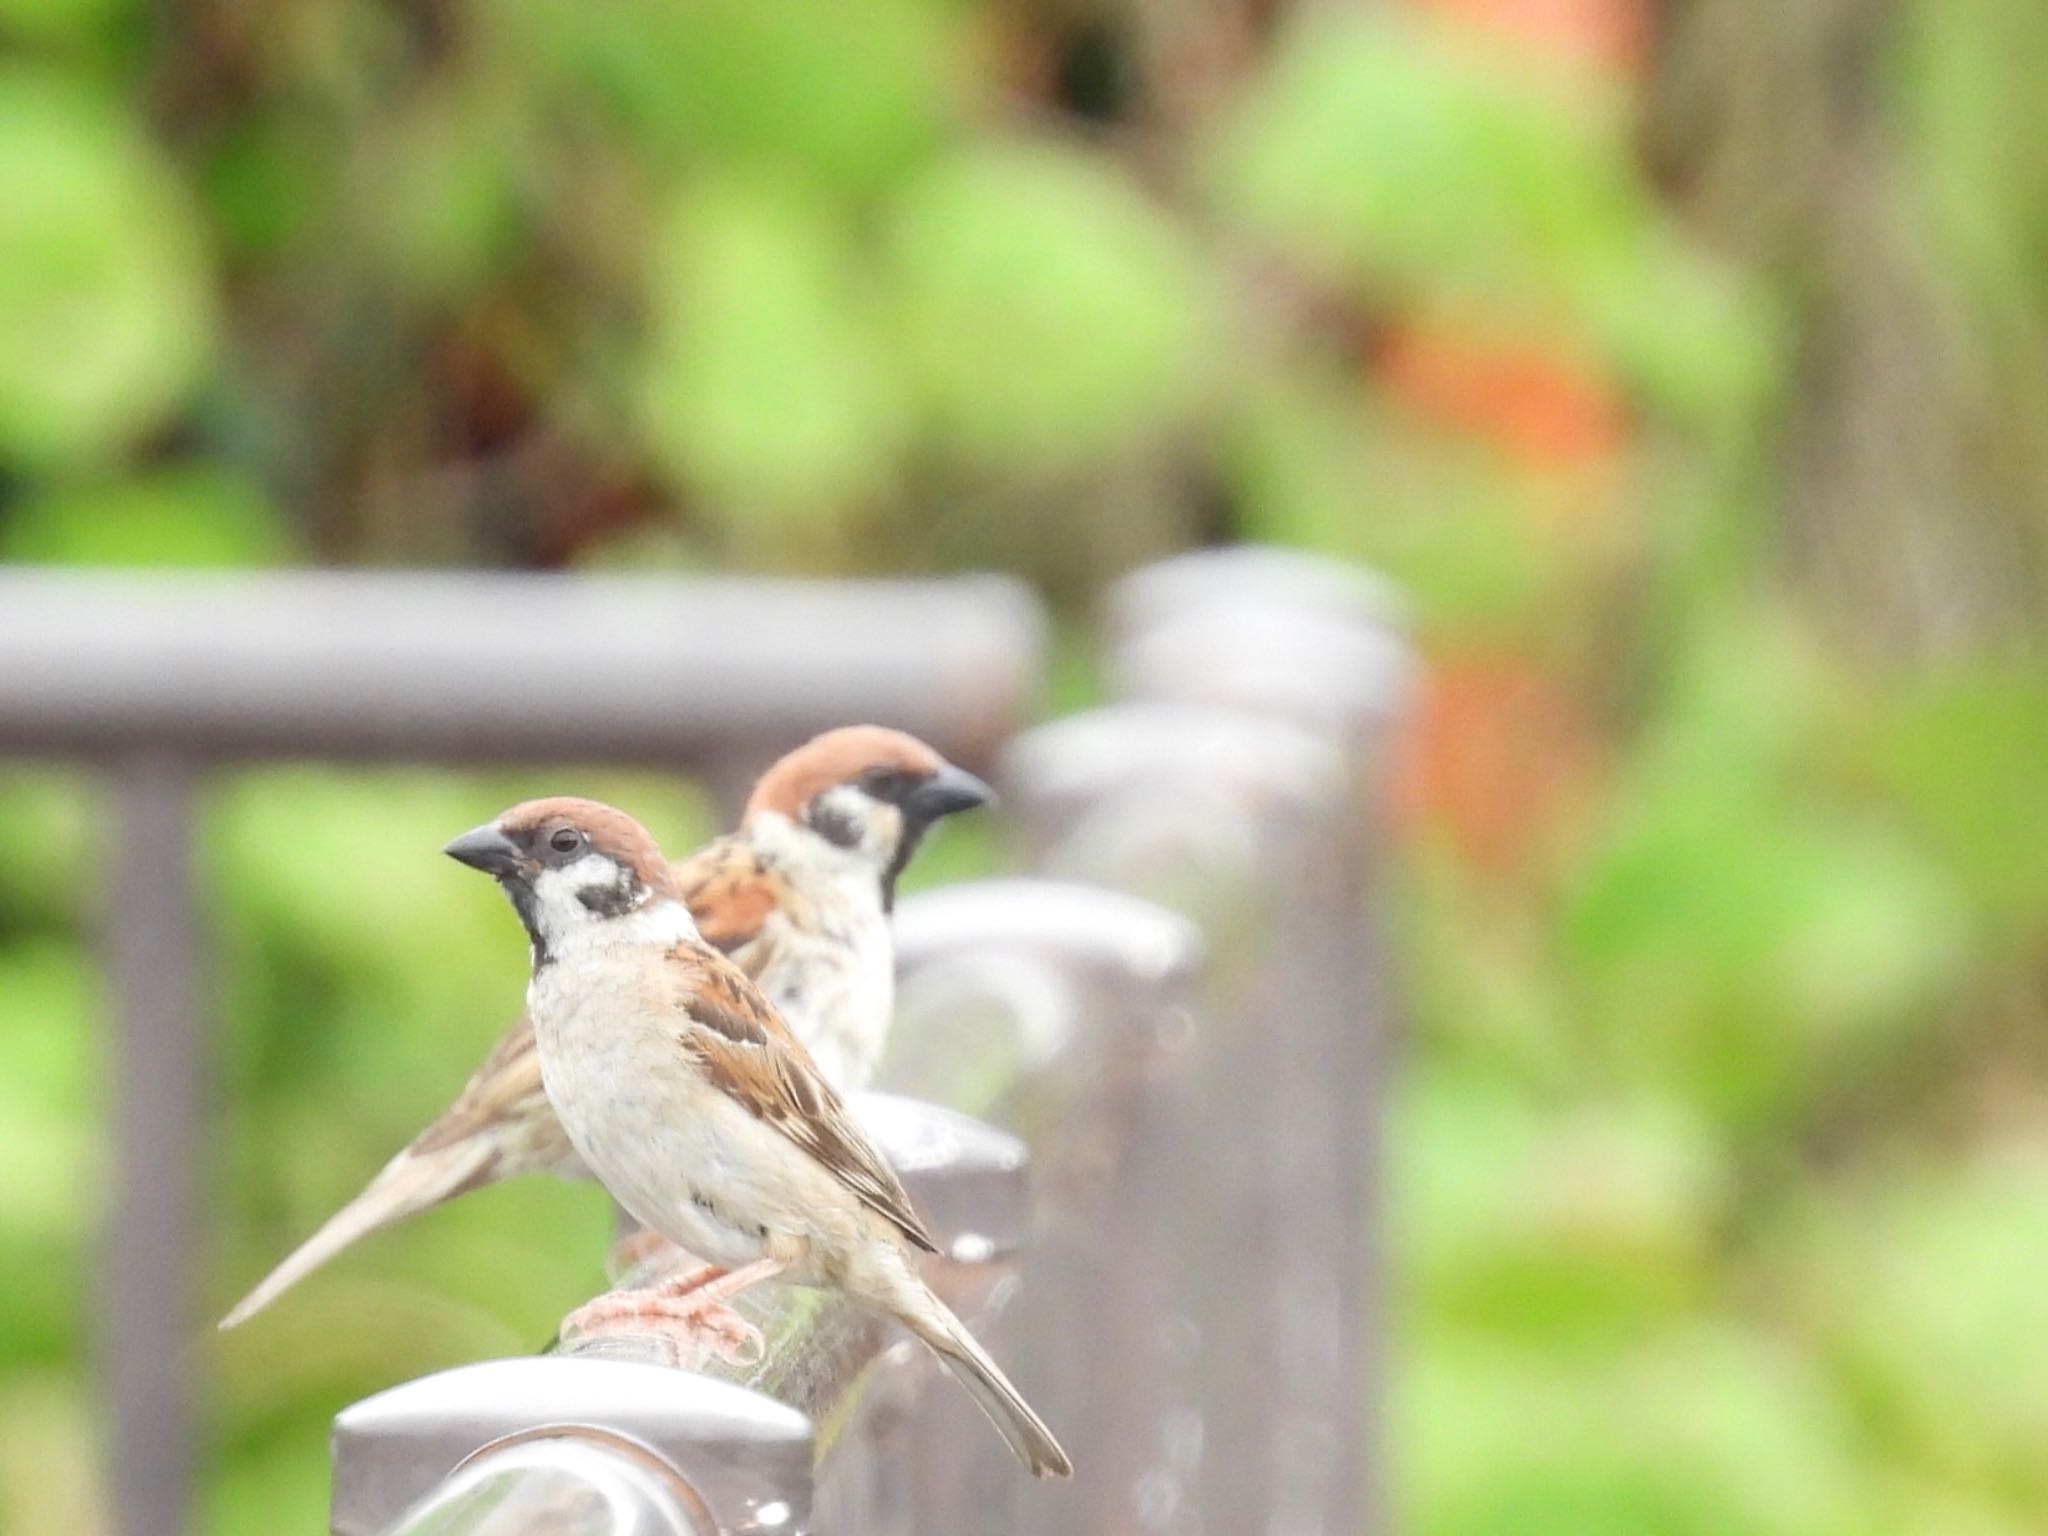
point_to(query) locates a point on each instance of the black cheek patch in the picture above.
(614, 900)
(835, 826)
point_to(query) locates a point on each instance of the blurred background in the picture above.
(1684, 362)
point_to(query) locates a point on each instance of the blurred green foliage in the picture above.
(1719, 1196)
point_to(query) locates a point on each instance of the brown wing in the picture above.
(745, 1048)
(731, 890)
(503, 1093)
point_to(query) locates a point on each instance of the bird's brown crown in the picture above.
(611, 832)
(839, 757)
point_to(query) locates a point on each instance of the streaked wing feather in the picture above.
(730, 891)
(745, 1047)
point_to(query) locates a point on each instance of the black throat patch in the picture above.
(528, 908)
(914, 830)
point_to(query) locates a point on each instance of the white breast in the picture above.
(830, 966)
(837, 989)
(671, 1149)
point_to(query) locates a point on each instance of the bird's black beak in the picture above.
(487, 849)
(945, 792)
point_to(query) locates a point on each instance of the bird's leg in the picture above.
(682, 1285)
(719, 1288)
(690, 1310)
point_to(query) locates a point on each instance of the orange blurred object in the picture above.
(1495, 757)
(1548, 411)
(1610, 35)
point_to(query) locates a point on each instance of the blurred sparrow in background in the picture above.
(799, 897)
(687, 1096)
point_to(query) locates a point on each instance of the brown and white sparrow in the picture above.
(687, 1096)
(798, 896)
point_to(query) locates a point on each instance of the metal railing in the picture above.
(1177, 1020)
(158, 679)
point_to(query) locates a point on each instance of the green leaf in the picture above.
(1316, 464)
(850, 92)
(197, 515)
(1050, 311)
(104, 295)
(441, 191)
(1923, 1281)
(765, 386)
(1703, 1430)
(1409, 160)
(1966, 757)
(1566, 1225)
(51, 1066)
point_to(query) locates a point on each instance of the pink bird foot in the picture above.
(691, 1328)
(689, 1314)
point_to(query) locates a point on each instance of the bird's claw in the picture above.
(690, 1330)
(729, 1336)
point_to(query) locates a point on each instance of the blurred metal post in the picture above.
(1033, 974)
(1216, 813)
(154, 942)
(1293, 637)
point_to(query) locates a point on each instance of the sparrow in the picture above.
(692, 1101)
(799, 896)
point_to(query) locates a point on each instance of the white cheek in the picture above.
(591, 869)
(556, 892)
(886, 828)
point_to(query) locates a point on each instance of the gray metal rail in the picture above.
(469, 667)
(1189, 1044)
(160, 678)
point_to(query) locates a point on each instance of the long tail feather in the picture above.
(410, 1183)
(989, 1387)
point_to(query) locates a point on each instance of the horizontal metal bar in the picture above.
(472, 667)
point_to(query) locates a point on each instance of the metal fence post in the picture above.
(1318, 643)
(154, 942)
(1214, 812)
(1036, 971)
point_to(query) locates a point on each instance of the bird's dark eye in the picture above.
(565, 840)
